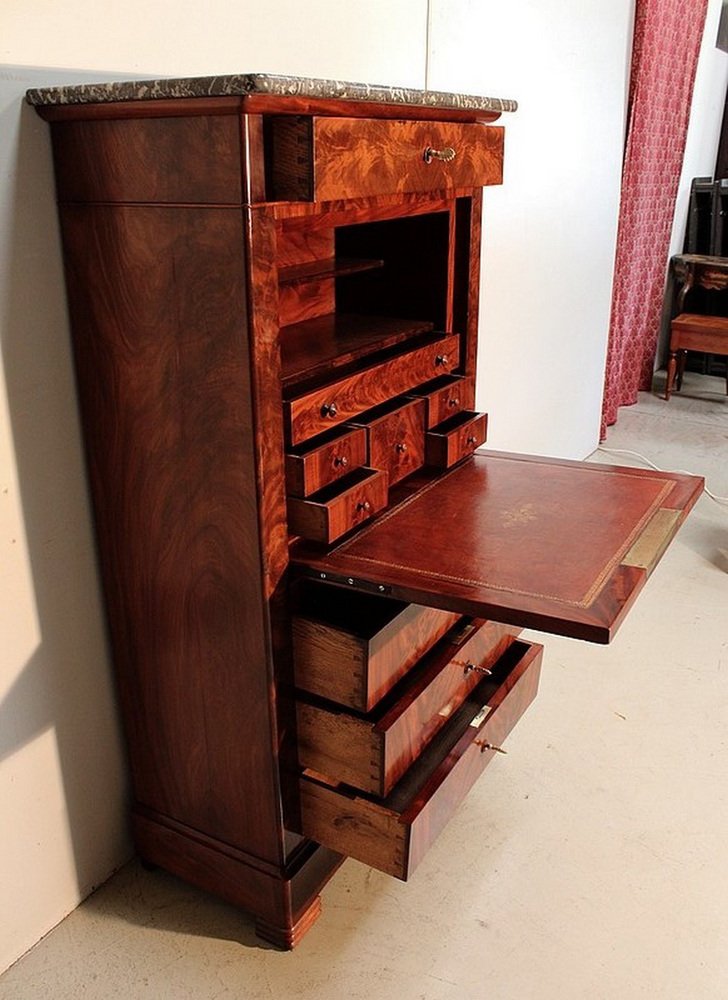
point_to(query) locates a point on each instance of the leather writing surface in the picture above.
(542, 542)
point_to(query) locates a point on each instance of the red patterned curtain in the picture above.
(667, 36)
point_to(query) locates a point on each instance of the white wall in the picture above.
(550, 231)
(549, 241)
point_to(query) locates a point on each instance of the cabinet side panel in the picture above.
(158, 308)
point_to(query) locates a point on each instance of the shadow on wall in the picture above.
(66, 685)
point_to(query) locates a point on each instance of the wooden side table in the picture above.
(693, 331)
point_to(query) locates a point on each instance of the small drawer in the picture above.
(339, 507)
(321, 409)
(309, 469)
(327, 158)
(457, 437)
(394, 833)
(445, 396)
(353, 648)
(396, 438)
(372, 752)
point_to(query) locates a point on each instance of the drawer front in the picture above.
(396, 441)
(355, 157)
(394, 833)
(446, 397)
(373, 753)
(337, 509)
(353, 648)
(310, 470)
(447, 443)
(346, 398)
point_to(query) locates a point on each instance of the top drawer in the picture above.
(325, 159)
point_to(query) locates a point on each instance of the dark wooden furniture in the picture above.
(696, 331)
(314, 588)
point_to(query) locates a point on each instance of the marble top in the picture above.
(240, 85)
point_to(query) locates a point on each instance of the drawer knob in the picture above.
(340, 461)
(453, 401)
(401, 447)
(444, 155)
(329, 410)
(363, 505)
(488, 746)
(440, 360)
(469, 667)
(471, 439)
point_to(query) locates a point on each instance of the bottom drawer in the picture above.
(393, 834)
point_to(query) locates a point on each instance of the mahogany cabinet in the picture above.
(314, 582)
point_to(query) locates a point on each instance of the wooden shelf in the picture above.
(319, 345)
(317, 270)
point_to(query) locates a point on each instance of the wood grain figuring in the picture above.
(158, 306)
(305, 300)
(355, 158)
(300, 243)
(373, 752)
(456, 438)
(339, 507)
(252, 154)
(558, 517)
(352, 649)
(393, 834)
(175, 160)
(312, 413)
(444, 397)
(310, 469)
(265, 368)
(466, 294)
(319, 346)
(396, 440)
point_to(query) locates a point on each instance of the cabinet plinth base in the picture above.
(287, 938)
(284, 900)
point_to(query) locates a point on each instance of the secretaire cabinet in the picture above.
(315, 582)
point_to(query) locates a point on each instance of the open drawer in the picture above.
(371, 752)
(539, 543)
(393, 834)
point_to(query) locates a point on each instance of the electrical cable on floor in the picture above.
(642, 458)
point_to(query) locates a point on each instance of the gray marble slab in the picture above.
(240, 85)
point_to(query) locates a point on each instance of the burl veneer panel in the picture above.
(158, 307)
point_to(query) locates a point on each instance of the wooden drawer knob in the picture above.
(401, 447)
(444, 155)
(441, 359)
(453, 401)
(469, 667)
(471, 439)
(329, 410)
(340, 461)
(363, 505)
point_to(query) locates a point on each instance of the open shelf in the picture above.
(333, 267)
(315, 346)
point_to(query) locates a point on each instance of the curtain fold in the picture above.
(667, 37)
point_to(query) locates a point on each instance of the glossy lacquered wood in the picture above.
(529, 541)
(327, 158)
(347, 397)
(396, 438)
(353, 651)
(444, 397)
(339, 507)
(455, 438)
(334, 455)
(394, 833)
(372, 752)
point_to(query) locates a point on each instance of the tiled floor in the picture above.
(591, 862)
